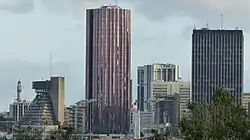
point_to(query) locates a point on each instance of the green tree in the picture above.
(27, 133)
(221, 120)
(158, 136)
(63, 132)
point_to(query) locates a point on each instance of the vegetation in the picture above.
(27, 133)
(221, 120)
(158, 136)
(63, 133)
(30, 133)
(5, 124)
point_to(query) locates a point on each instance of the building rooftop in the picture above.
(110, 6)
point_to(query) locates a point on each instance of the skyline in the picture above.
(28, 37)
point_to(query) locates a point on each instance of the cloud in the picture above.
(17, 6)
(235, 12)
(58, 6)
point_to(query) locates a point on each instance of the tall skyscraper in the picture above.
(217, 60)
(108, 50)
(147, 74)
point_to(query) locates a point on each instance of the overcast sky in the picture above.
(31, 29)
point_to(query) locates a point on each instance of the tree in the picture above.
(220, 120)
(158, 136)
(64, 132)
(27, 133)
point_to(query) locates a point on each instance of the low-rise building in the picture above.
(18, 109)
(140, 122)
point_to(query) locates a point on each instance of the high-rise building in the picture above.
(108, 50)
(47, 108)
(217, 60)
(147, 74)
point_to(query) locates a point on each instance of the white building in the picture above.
(18, 109)
(75, 115)
(149, 73)
(161, 89)
(140, 121)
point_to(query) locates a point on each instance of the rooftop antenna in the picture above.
(221, 21)
(207, 24)
(50, 64)
(194, 27)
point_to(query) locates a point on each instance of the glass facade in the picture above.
(217, 61)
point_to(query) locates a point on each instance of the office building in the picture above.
(246, 100)
(147, 74)
(141, 122)
(18, 109)
(217, 61)
(161, 89)
(167, 110)
(47, 108)
(108, 54)
(76, 116)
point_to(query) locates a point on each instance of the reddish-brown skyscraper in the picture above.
(108, 54)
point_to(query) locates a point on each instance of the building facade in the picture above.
(76, 116)
(147, 74)
(108, 54)
(18, 109)
(167, 110)
(141, 122)
(217, 61)
(161, 89)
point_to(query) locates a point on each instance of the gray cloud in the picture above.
(59, 6)
(235, 12)
(17, 6)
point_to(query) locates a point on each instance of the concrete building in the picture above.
(18, 109)
(57, 93)
(47, 108)
(141, 122)
(161, 89)
(76, 116)
(217, 60)
(108, 54)
(246, 100)
(167, 110)
(149, 73)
